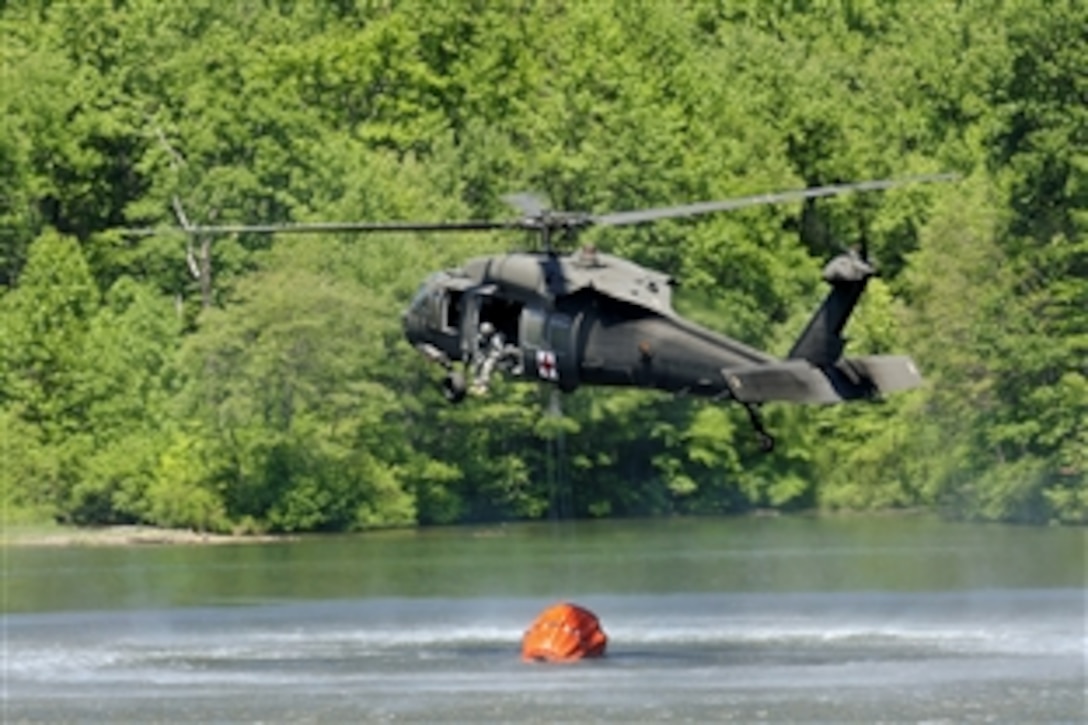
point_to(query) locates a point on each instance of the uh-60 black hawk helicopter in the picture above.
(589, 318)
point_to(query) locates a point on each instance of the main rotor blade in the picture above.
(327, 227)
(537, 217)
(641, 216)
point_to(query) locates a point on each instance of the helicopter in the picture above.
(586, 318)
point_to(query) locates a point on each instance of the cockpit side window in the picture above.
(452, 316)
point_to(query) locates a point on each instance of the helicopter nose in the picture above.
(411, 321)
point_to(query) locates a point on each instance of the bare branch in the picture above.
(175, 155)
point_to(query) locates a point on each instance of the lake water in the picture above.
(778, 619)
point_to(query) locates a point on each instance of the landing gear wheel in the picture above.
(453, 387)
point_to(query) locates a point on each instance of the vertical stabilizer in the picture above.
(822, 342)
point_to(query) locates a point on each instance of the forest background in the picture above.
(250, 383)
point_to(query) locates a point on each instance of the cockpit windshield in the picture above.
(424, 291)
(436, 304)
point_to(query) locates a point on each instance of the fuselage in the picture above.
(578, 319)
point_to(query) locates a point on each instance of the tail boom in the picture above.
(799, 381)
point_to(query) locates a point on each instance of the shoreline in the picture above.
(132, 535)
(55, 535)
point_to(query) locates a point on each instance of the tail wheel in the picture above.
(453, 387)
(765, 439)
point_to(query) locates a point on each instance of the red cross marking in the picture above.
(545, 365)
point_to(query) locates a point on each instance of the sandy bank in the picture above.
(121, 536)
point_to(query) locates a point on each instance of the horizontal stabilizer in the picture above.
(799, 381)
(886, 373)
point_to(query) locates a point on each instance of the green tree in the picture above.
(272, 389)
(307, 439)
(129, 347)
(46, 322)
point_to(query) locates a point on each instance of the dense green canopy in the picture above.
(256, 383)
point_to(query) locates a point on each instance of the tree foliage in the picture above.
(248, 382)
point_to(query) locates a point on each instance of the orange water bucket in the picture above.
(563, 633)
